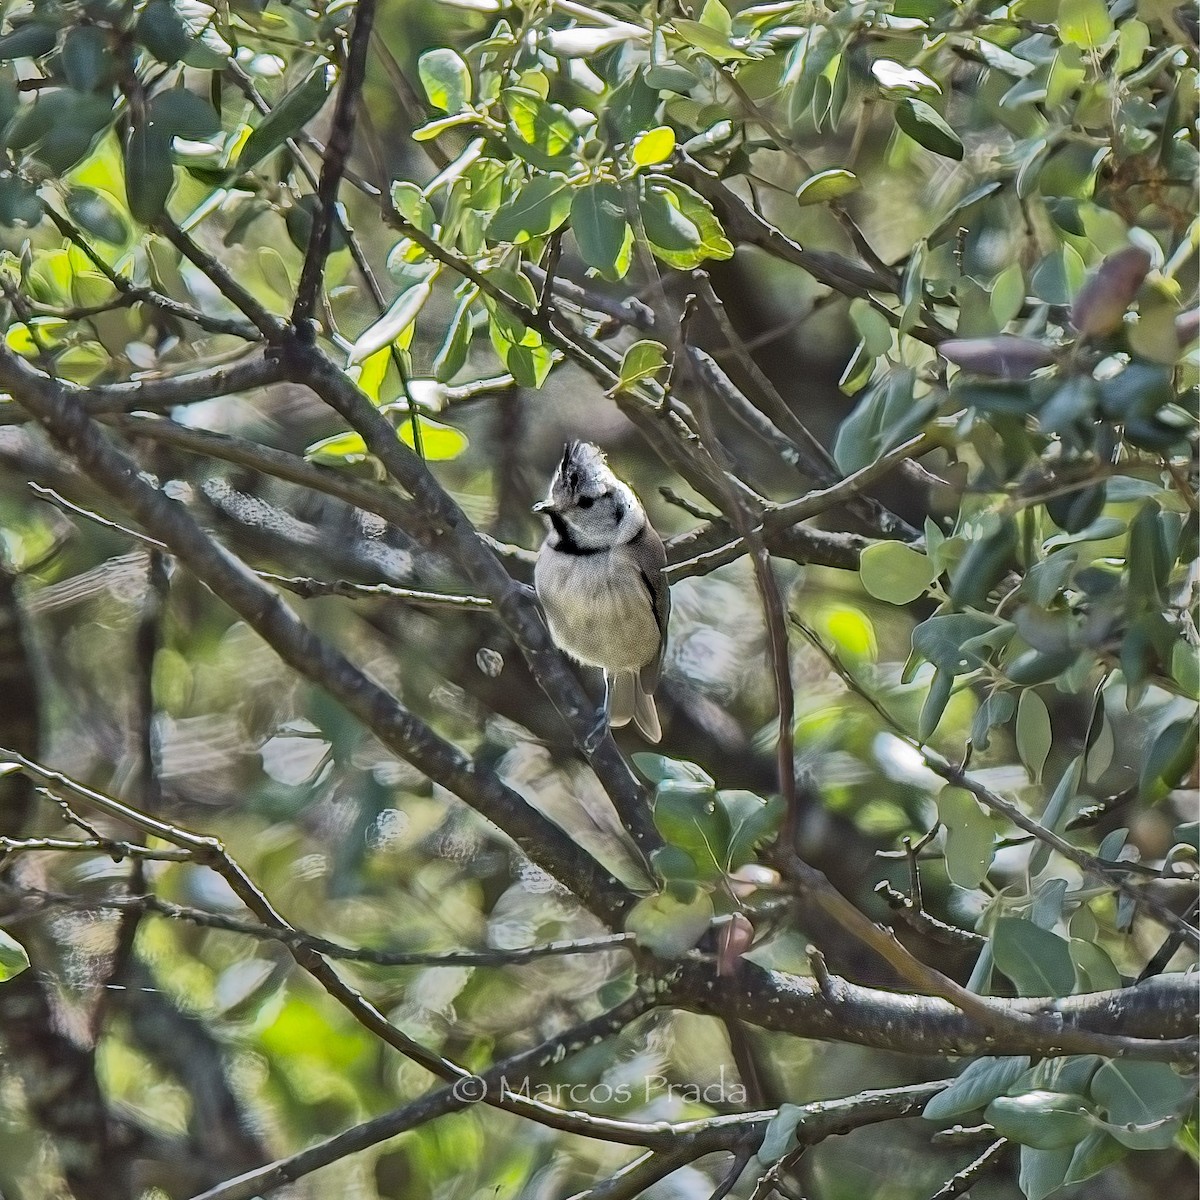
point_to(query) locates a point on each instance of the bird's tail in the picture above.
(627, 701)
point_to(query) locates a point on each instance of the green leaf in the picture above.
(643, 362)
(445, 78)
(980, 1083)
(1041, 1119)
(1094, 970)
(780, 1134)
(666, 227)
(826, 186)
(33, 39)
(1142, 1094)
(953, 642)
(996, 709)
(162, 31)
(668, 927)
(184, 114)
(1034, 734)
(688, 816)
(601, 232)
(1169, 760)
(873, 327)
(654, 146)
(543, 134)
(452, 356)
(411, 204)
(1185, 668)
(63, 123)
(398, 319)
(940, 688)
(716, 45)
(925, 126)
(895, 572)
(293, 112)
(149, 171)
(680, 224)
(1043, 1171)
(87, 60)
(99, 214)
(538, 208)
(883, 418)
(657, 767)
(1084, 23)
(1008, 294)
(1056, 812)
(752, 820)
(439, 443)
(969, 837)
(1097, 1151)
(13, 959)
(1038, 962)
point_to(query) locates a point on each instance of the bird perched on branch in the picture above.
(599, 576)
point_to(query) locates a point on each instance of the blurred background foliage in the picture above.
(1016, 182)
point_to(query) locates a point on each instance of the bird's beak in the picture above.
(542, 506)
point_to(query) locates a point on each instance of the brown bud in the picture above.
(1109, 291)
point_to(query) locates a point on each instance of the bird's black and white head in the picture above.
(589, 508)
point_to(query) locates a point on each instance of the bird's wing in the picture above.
(651, 558)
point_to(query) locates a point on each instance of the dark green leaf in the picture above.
(538, 208)
(149, 173)
(688, 816)
(184, 114)
(925, 125)
(1170, 759)
(19, 203)
(1038, 962)
(751, 820)
(98, 213)
(1043, 1171)
(1144, 1102)
(885, 416)
(87, 59)
(657, 767)
(1041, 1119)
(666, 227)
(162, 31)
(293, 112)
(452, 356)
(30, 40)
(600, 229)
(979, 1084)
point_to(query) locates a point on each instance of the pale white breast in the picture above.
(598, 608)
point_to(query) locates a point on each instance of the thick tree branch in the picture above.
(1152, 1020)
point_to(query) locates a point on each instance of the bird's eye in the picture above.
(585, 502)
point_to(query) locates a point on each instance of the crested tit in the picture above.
(599, 576)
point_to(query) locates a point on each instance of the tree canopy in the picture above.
(315, 877)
